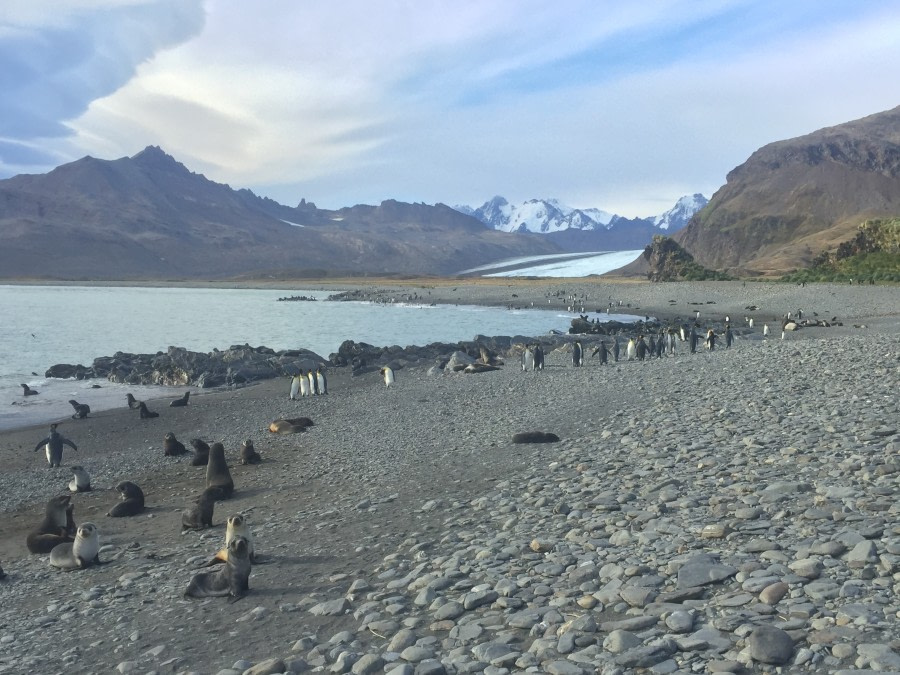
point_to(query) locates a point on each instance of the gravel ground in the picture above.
(702, 513)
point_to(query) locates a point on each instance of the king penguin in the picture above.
(528, 358)
(388, 374)
(304, 384)
(577, 354)
(538, 357)
(321, 381)
(766, 329)
(641, 348)
(630, 350)
(295, 387)
(313, 384)
(615, 349)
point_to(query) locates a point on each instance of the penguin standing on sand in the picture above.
(538, 357)
(577, 354)
(602, 352)
(681, 333)
(528, 358)
(615, 348)
(640, 348)
(321, 381)
(710, 339)
(53, 446)
(765, 330)
(750, 322)
(630, 350)
(388, 373)
(651, 348)
(304, 384)
(729, 337)
(694, 339)
(295, 387)
(313, 384)
(660, 345)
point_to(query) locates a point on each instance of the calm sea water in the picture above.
(45, 325)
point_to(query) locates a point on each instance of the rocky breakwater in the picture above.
(239, 364)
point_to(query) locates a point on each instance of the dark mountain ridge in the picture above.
(149, 217)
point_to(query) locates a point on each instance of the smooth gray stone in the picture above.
(703, 570)
(768, 644)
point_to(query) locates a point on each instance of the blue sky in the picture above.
(622, 106)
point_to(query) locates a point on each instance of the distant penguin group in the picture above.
(308, 383)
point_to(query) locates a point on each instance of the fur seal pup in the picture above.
(180, 402)
(233, 580)
(145, 412)
(321, 381)
(577, 354)
(217, 473)
(388, 374)
(52, 530)
(132, 500)
(295, 388)
(200, 516)
(249, 455)
(172, 447)
(235, 526)
(201, 452)
(535, 437)
(82, 410)
(538, 357)
(133, 403)
(28, 391)
(81, 553)
(53, 446)
(81, 480)
(295, 425)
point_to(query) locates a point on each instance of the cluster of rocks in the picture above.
(237, 365)
(297, 298)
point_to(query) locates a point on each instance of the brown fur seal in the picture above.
(52, 530)
(133, 403)
(217, 473)
(233, 580)
(28, 391)
(200, 515)
(81, 553)
(236, 526)
(290, 426)
(81, 480)
(249, 455)
(145, 412)
(132, 500)
(201, 452)
(82, 410)
(172, 447)
(535, 437)
(180, 402)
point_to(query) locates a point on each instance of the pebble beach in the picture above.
(726, 511)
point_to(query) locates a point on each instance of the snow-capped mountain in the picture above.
(546, 216)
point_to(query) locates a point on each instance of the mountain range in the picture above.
(583, 229)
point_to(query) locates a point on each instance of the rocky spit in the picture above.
(732, 511)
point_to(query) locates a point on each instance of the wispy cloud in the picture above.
(622, 106)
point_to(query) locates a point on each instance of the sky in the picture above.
(621, 106)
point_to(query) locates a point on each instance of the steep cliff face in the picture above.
(665, 260)
(793, 199)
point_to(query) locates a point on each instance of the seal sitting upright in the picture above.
(52, 530)
(132, 500)
(217, 473)
(82, 410)
(81, 553)
(233, 580)
(180, 402)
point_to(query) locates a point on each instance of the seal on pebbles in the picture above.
(249, 455)
(82, 410)
(172, 447)
(81, 553)
(132, 500)
(290, 426)
(217, 473)
(180, 402)
(233, 580)
(52, 530)
(133, 403)
(201, 452)
(236, 526)
(146, 413)
(535, 437)
(200, 515)
(81, 480)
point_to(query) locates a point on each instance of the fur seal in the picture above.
(145, 412)
(180, 402)
(235, 526)
(81, 553)
(200, 515)
(249, 455)
(217, 473)
(132, 500)
(52, 530)
(535, 437)
(53, 446)
(133, 403)
(172, 447)
(28, 391)
(81, 480)
(290, 426)
(201, 452)
(388, 374)
(81, 409)
(233, 580)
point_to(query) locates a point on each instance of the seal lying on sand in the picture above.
(233, 580)
(145, 412)
(290, 426)
(132, 500)
(535, 437)
(52, 530)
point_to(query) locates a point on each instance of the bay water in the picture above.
(45, 325)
